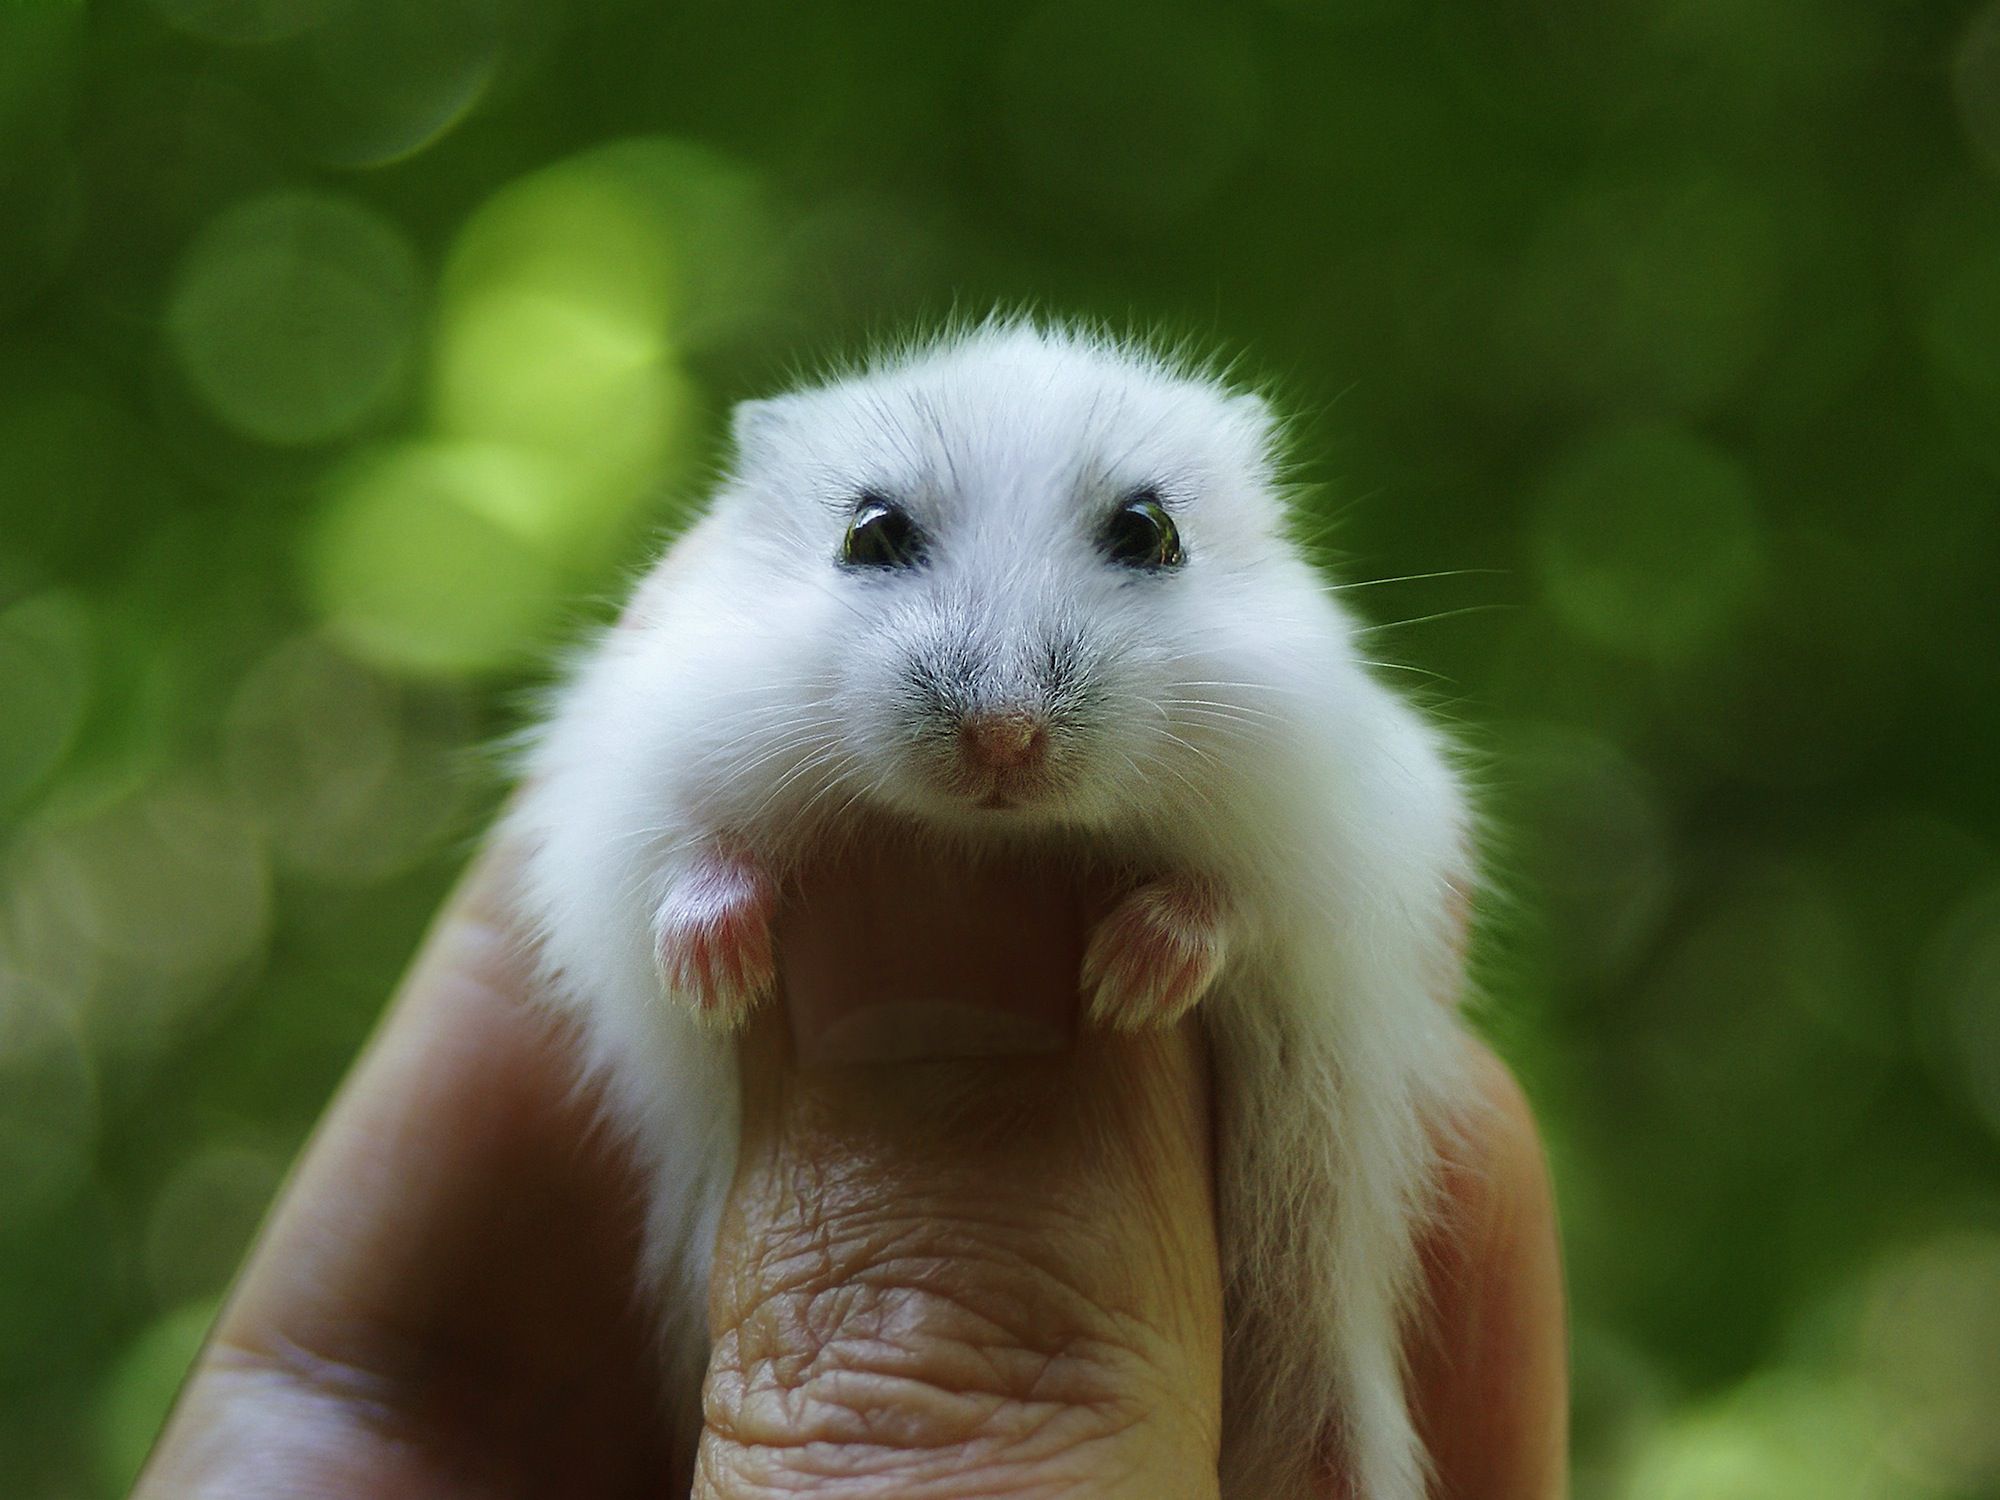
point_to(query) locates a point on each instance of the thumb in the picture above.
(957, 1276)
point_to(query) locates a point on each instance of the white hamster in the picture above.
(1020, 582)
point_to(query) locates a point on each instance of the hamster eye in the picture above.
(1140, 534)
(881, 535)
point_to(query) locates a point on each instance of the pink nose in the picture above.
(1010, 741)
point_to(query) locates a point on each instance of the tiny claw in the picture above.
(712, 936)
(1155, 954)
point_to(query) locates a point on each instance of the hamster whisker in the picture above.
(1238, 731)
(1403, 666)
(1226, 686)
(783, 695)
(789, 746)
(1184, 711)
(1369, 583)
(805, 767)
(860, 793)
(841, 599)
(787, 705)
(1205, 756)
(1199, 794)
(1235, 710)
(1443, 614)
(641, 835)
(758, 731)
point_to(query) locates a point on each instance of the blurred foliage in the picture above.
(352, 352)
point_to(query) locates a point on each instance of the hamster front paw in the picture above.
(1155, 954)
(712, 935)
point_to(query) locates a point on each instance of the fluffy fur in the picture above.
(1299, 829)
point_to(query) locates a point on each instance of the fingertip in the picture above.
(903, 953)
(1490, 1364)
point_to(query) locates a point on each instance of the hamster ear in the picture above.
(756, 426)
(1254, 413)
(1263, 432)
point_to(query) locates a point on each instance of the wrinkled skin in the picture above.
(995, 1277)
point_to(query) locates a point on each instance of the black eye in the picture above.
(1141, 534)
(881, 535)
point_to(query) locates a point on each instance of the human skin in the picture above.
(981, 1276)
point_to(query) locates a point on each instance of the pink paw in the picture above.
(712, 936)
(1155, 955)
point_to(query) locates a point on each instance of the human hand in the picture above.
(938, 1278)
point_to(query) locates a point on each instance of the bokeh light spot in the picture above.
(428, 558)
(42, 948)
(561, 310)
(1961, 971)
(1975, 84)
(385, 81)
(575, 233)
(350, 776)
(1802, 701)
(292, 316)
(203, 1218)
(165, 895)
(134, 915)
(585, 388)
(671, 236)
(1777, 1437)
(1646, 541)
(44, 683)
(48, 1100)
(1931, 1351)
(1661, 290)
(1598, 841)
(1761, 998)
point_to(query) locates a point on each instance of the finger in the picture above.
(1490, 1360)
(951, 1276)
(440, 1301)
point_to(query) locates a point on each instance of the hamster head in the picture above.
(1024, 578)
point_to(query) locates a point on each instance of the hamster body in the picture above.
(1026, 583)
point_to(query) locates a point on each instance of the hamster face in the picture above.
(1039, 580)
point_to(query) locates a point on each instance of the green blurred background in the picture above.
(352, 351)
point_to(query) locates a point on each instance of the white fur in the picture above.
(756, 691)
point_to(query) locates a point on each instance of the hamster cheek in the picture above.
(712, 936)
(1155, 954)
